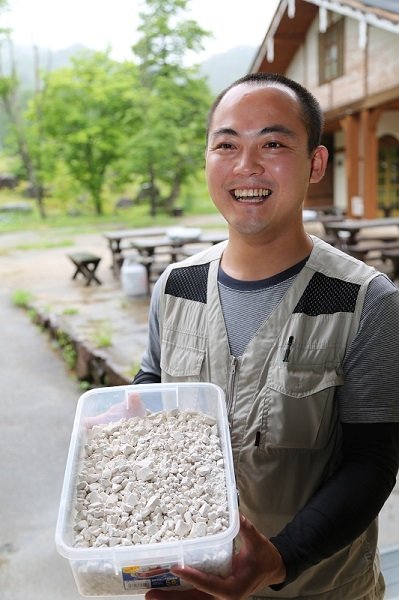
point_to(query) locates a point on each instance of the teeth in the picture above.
(252, 193)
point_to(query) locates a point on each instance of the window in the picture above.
(331, 52)
(388, 175)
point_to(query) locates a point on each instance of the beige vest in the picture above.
(285, 429)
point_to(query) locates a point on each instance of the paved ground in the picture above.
(38, 399)
(38, 406)
(46, 274)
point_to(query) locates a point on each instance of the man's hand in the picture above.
(132, 407)
(257, 565)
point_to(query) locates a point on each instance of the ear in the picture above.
(318, 164)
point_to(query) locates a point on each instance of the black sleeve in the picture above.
(142, 377)
(347, 503)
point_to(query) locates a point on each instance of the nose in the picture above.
(248, 162)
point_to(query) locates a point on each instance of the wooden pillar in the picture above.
(369, 161)
(350, 127)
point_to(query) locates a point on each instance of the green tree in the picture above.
(89, 111)
(166, 37)
(24, 140)
(3, 5)
(169, 147)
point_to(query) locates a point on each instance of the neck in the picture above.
(249, 259)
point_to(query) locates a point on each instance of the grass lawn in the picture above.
(18, 213)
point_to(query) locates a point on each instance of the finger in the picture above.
(250, 536)
(135, 405)
(158, 595)
(246, 526)
(112, 414)
(97, 420)
(256, 548)
(176, 595)
(213, 586)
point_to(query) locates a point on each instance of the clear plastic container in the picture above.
(132, 570)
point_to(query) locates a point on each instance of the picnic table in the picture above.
(352, 227)
(148, 245)
(310, 216)
(368, 239)
(172, 249)
(121, 237)
(327, 210)
(392, 254)
(362, 248)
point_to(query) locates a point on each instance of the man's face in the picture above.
(257, 161)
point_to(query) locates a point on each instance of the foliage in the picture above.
(102, 335)
(64, 225)
(166, 37)
(134, 369)
(68, 349)
(26, 139)
(169, 149)
(89, 111)
(101, 125)
(8, 85)
(22, 298)
(70, 311)
(45, 244)
(174, 103)
(3, 5)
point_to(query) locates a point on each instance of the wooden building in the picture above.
(347, 53)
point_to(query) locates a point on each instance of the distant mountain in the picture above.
(47, 60)
(220, 69)
(223, 69)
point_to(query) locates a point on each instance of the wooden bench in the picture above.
(155, 266)
(86, 264)
(392, 255)
(361, 249)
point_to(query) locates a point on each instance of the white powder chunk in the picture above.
(150, 479)
(198, 530)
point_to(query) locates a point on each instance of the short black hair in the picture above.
(312, 114)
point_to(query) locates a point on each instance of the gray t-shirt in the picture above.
(370, 392)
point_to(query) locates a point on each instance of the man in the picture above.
(303, 339)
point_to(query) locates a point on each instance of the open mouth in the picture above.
(251, 195)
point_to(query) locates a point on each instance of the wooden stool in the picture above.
(86, 264)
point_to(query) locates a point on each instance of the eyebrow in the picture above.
(270, 129)
(224, 131)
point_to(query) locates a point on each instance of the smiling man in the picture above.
(286, 325)
(258, 167)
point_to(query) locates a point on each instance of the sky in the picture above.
(98, 24)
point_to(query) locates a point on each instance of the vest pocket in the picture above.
(298, 409)
(181, 361)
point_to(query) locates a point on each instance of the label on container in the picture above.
(153, 576)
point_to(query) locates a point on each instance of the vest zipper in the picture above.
(231, 383)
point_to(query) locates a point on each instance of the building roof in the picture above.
(283, 37)
(384, 9)
(389, 5)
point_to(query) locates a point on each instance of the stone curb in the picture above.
(90, 364)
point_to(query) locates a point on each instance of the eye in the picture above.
(273, 145)
(223, 146)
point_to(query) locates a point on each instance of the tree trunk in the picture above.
(13, 112)
(97, 202)
(174, 194)
(153, 194)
